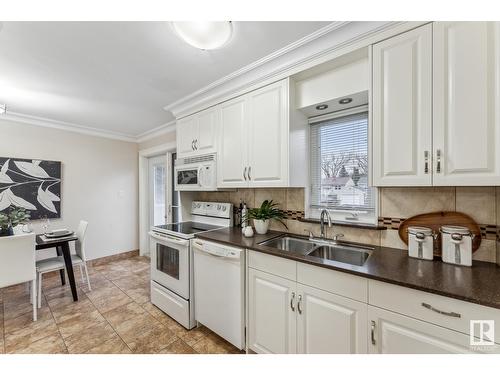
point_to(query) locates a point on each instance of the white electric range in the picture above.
(172, 259)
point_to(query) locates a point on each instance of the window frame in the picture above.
(340, 215)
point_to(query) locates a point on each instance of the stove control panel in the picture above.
(214, 209)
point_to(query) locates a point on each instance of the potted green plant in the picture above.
(16, 216)
(261, 216)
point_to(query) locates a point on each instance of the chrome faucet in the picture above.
(322, 222)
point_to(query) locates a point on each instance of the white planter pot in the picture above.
(261, 226)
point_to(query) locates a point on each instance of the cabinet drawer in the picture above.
(273, 264)
(336, 282)
(455, 314)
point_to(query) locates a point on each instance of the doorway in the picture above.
(163, 199)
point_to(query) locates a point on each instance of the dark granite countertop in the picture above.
(478, 284)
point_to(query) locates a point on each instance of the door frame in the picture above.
(144, 155)
(155, 160)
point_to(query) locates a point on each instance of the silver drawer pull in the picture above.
(372, 333)
(299, 304)
(452, 314)
(438, 166)
(292, 306)
(426, 163)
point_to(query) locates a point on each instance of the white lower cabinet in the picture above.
(271, 321)
(328, 323)
(392, 333)
(300, 308)
(285, 316)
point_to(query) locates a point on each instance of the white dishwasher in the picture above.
(219, 289)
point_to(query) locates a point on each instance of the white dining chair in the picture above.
(57, 263)
(17, 263)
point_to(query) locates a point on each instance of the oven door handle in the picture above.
(160, 237)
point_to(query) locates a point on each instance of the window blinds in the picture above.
(339, 164)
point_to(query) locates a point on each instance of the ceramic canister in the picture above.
(421, 243)
(456, 245)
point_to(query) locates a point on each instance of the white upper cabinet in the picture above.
(207, 131)
(232, 158)
(436, 106)
(466, 95)
(186, 134)
(254, 140)
(402, 109)
(268, 136)
(197, 133)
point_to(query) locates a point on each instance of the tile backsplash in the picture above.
(395, 204)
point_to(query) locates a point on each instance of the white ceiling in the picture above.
(118, 76)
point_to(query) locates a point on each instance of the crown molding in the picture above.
(282, 51)
(67, 126)
(76, 128)
(160, 130)
(325, 44)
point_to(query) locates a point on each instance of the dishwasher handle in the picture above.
(217, 251)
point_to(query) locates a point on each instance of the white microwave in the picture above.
(196, 173)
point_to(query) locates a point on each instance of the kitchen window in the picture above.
(339, 167)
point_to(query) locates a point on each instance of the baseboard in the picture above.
(111, 258)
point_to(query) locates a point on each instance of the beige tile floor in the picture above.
(115, 317)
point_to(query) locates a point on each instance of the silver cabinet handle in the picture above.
(249, 177)
(192, 145)
(452, 314)
(426, 163)
(438, 166)
(372, 333)
(299, 304)
(292, 306)
(196, 144)
(245, 173)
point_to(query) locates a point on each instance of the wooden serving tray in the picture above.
(436, 220)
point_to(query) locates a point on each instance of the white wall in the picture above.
(158, 140)
(99, 182)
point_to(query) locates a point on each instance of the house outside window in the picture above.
(339, 168)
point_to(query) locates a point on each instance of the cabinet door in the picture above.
(207, 131)
(330, 324)
(402, 109)
(391, 333)
(268, 136)
(186, 135)
(467, 103)
(271, 320)
(232, 144)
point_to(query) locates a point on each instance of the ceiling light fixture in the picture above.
(345, 101)
(3, 109)
(204, 35)
(321, 107)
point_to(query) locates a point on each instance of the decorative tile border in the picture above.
(293, 215)
(488, 231)
(390, 222)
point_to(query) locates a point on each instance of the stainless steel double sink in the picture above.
(343, 252)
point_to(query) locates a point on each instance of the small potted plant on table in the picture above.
(9, 222)
(261, 216)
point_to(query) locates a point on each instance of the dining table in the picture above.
(61, 245)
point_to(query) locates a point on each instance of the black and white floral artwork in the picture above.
(31, 184)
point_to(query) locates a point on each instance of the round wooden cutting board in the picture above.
(436, 220)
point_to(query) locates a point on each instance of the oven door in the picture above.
(170, 263)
